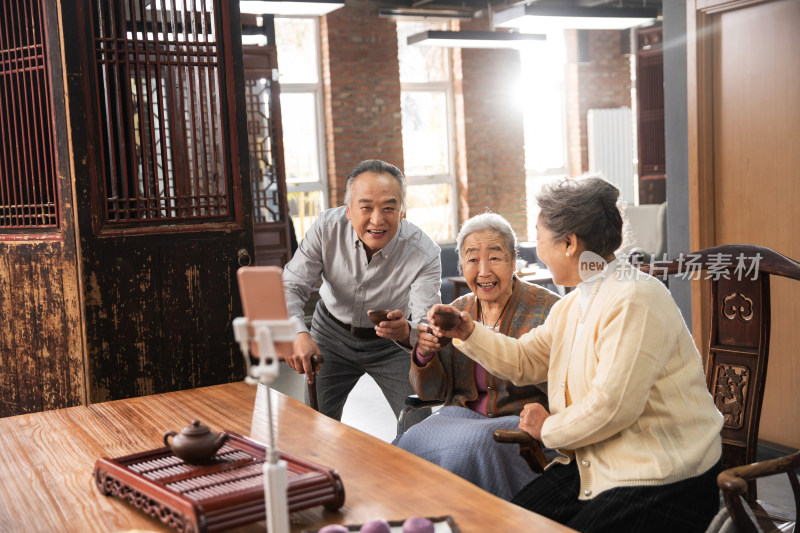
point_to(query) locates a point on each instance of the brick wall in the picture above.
(361, 92)
(363, 120)
(601, 80)
(491, 154)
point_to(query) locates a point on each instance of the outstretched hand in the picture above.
(462, 331)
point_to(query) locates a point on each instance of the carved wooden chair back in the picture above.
(738, 348)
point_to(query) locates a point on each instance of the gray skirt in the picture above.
(461, 441)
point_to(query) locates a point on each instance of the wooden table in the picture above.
(539, 276)
(47, 459)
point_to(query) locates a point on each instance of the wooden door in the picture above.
(744, 119)
(41, 353)
(265, 140)
(156, 96)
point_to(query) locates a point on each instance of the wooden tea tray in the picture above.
(225, 492)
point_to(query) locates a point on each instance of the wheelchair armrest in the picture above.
(530, 449)
(413, 402)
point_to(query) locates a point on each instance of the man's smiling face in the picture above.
(375, 209)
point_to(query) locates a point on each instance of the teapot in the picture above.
(195, 443)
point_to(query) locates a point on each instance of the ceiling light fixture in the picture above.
(422, 14)
(475, 39)
(290, 7)
(545, 19)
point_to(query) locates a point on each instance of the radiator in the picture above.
(611, 148)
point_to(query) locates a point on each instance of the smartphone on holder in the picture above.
(261, 291)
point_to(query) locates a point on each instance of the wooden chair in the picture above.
(736, 362)
(734, 484)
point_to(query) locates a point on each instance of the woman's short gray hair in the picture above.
(587, 206)
(376, 166)
(490, 222)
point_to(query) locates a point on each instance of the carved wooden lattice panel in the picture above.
(730, 392)
(28, 185)
(159, 95)
(261, 141)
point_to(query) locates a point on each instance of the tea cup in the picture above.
(447, 319)
(378, 315)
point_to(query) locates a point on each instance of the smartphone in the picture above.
(261, 290)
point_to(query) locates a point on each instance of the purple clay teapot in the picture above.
(195, 443)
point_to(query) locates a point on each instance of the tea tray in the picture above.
(226, 491)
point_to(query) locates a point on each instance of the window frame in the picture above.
(444, 86)
(316, 89)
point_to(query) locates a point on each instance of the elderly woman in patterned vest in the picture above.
(458, 437)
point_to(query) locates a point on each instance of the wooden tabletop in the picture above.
(47, 461)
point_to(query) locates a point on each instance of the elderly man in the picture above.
(368, 257)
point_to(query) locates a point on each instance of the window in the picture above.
(28, 175)
(542, 94)
(163, 135)
(297, 40)
(428, 145)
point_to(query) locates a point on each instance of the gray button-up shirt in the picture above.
(406, 274)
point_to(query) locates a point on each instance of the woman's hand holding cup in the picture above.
(427, 342)
(448, 321)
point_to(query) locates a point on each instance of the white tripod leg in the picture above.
(275, 487)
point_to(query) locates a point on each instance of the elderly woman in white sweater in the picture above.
(628, 402)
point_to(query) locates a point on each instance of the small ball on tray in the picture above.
(417, 524)
(334, 528)
(376, 526)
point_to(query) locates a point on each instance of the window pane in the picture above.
(304, 208)
(425, 133)
(430, 208)
(297, 50)
(419, 64)
(543, 100)
(300, 141)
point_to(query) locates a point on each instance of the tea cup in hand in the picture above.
(446, 319)
(378, 315)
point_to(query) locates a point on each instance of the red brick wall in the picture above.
(604, 81)
(362, 92)
(494, 158)
(362, 110)
(491, 151)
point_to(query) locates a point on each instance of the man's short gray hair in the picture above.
(376, 166)
(488, 222)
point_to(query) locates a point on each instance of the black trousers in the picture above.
(683, 506)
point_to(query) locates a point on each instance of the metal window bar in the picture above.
(158, 93)
(28, 177)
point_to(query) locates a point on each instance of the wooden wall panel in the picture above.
(41, 366)
(747, 89)
(159, 319)
(9, 360)
(756, 159)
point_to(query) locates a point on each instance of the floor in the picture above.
(367, 410)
